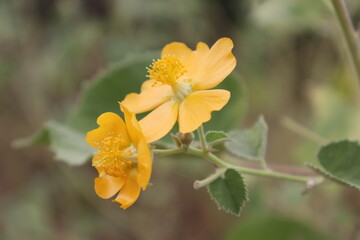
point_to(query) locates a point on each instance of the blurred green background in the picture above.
(291, 59)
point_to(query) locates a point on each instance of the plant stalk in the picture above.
(202, 183)
(201, 134)
(204, 153)
(164, 152)
(349, 32)
(251, 171)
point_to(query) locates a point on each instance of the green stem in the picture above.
(202, 183)
(272, 174)
(265, 172)
(202, 137)
(164, 152)
(263, 164)
(303, 131)
(251, 171)
(217, 161)
(349, 33)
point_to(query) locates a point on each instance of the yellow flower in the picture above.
(177, 87)
(123, 161)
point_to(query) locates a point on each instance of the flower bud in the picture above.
(183, 139)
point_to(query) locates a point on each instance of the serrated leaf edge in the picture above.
(241, 206)
(260, 120)
(330, 176)
(219, 141)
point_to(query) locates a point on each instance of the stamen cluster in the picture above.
(166, 70)
(115, 159)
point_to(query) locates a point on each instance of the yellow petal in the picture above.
(110, 125)
(143, 151)
(160, 121)
(201, 50)
(95, 159)
(107, 186)
(144, 164)
(196, 108)
(132, 126)
(148, 84)
(130, 191)
(176, 49)
(149, 98)
(208, 68)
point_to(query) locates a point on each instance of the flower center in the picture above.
(166, 70)
(116, 159)
(181, 90)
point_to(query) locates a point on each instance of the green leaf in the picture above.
(40, 137)
(216, 137)
(340, 161)
(250, 143)
(229, 192)
(109, 87)
(67, 144)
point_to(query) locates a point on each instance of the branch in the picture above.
(349, 32)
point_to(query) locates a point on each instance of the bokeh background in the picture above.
(291, 60)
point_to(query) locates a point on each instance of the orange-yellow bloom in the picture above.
(123, 161)
(177, 87)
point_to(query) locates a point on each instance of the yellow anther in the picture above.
(113, 159)
(166, 70)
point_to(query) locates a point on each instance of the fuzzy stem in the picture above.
(263, 164)
(251, 171)
(349, 33)
(204, 153)
(164, 152)
(303, 131)
(202, 183)
(202, 137)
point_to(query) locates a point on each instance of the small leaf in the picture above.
(250, 143)
(216, 137)
(40, 137)
(340, 161)
(229, 192)
(324, 173)
(68, 144)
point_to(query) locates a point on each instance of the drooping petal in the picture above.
(130, 192)
(107, 186)
(111, 125)
(176, 49)
(160, 121)
(132, 125)
(209, 67)
(149, 98)
(196, 108)
(144, 164)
